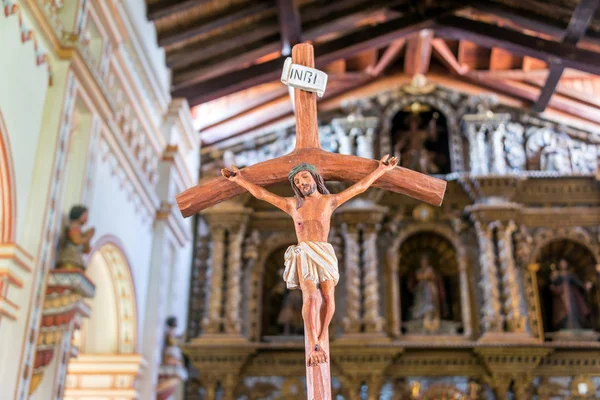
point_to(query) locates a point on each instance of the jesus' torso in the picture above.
(312, 220)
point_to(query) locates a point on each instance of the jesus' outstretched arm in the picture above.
(385, 164)
(234, 175)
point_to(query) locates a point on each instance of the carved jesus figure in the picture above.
(312, 264)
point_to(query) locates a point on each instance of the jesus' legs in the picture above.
(310, 313)
(327, 289)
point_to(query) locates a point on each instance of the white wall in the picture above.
(113, 213)
(23, 86)
(146, 34)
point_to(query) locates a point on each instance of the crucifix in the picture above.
(311, 265)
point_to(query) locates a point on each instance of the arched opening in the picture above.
(419, 136)
(7, 188)
(112, 327)
(107, 365)
(568, 290)
(281, 307)
(430, 300)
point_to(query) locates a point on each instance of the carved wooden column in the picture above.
(465, 302)
(351, 321)
(393, 289)
(492, 318)
(233, 321)
(212, 322)
(373, 322)
(516, 321)
(227, 226)
(360, 225)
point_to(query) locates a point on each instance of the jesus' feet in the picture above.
(316, 356)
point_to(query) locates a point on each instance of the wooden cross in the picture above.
(331, 166)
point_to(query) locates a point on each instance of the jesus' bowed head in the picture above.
(312, 264)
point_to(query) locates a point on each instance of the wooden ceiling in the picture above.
(546, 53)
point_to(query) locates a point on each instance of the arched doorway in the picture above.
(108, 364)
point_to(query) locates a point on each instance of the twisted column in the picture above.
(492, 314)
(233, 323)
(352, 321)
(510, 282)
(372, 317)
(212, 322)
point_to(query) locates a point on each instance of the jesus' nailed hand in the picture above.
(312, 264)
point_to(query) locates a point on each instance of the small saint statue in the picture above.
(171, 354)
(74, 242)
(429, 303)
(410, 148)
(570, 309)
(290, 314)
(312, 265)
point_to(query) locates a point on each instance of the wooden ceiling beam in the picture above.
(489, 36)
(387, 58)
(521, 75)
(222, 44)
(578, 24)
(369, 37)
(228, 17)
(446, 56)
(289, 21)
(165, 8)
(184, 79)
(418, 53)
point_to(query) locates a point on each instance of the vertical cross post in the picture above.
(318, 378)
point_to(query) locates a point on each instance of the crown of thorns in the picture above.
(301, 167)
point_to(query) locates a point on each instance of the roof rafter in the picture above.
(370, 37)
(489, 35)
(578, 24)
(227, 18)
(164, 8)
(289, 20)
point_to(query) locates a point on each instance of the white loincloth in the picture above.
(317, 260)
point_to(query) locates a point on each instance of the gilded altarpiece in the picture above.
(473, 287)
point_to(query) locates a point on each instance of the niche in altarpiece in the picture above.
(281, 315)
(419, 136)
(429, 285)
(568, 290)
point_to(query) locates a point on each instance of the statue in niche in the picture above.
(171, 354)
(290, 314)
(74, 242)
(429, 304)
(570, 309)
(411, 147)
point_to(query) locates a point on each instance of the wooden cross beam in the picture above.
(330, 166)
(581, 18)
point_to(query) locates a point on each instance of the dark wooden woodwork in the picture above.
(418, 53)
(228, 17)
(366, 38)
(289, 21)
(575, 30)
(216, 68)
(489, 35)
(222, 45)
(387, 58)
(554, 76)
(165, 8)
